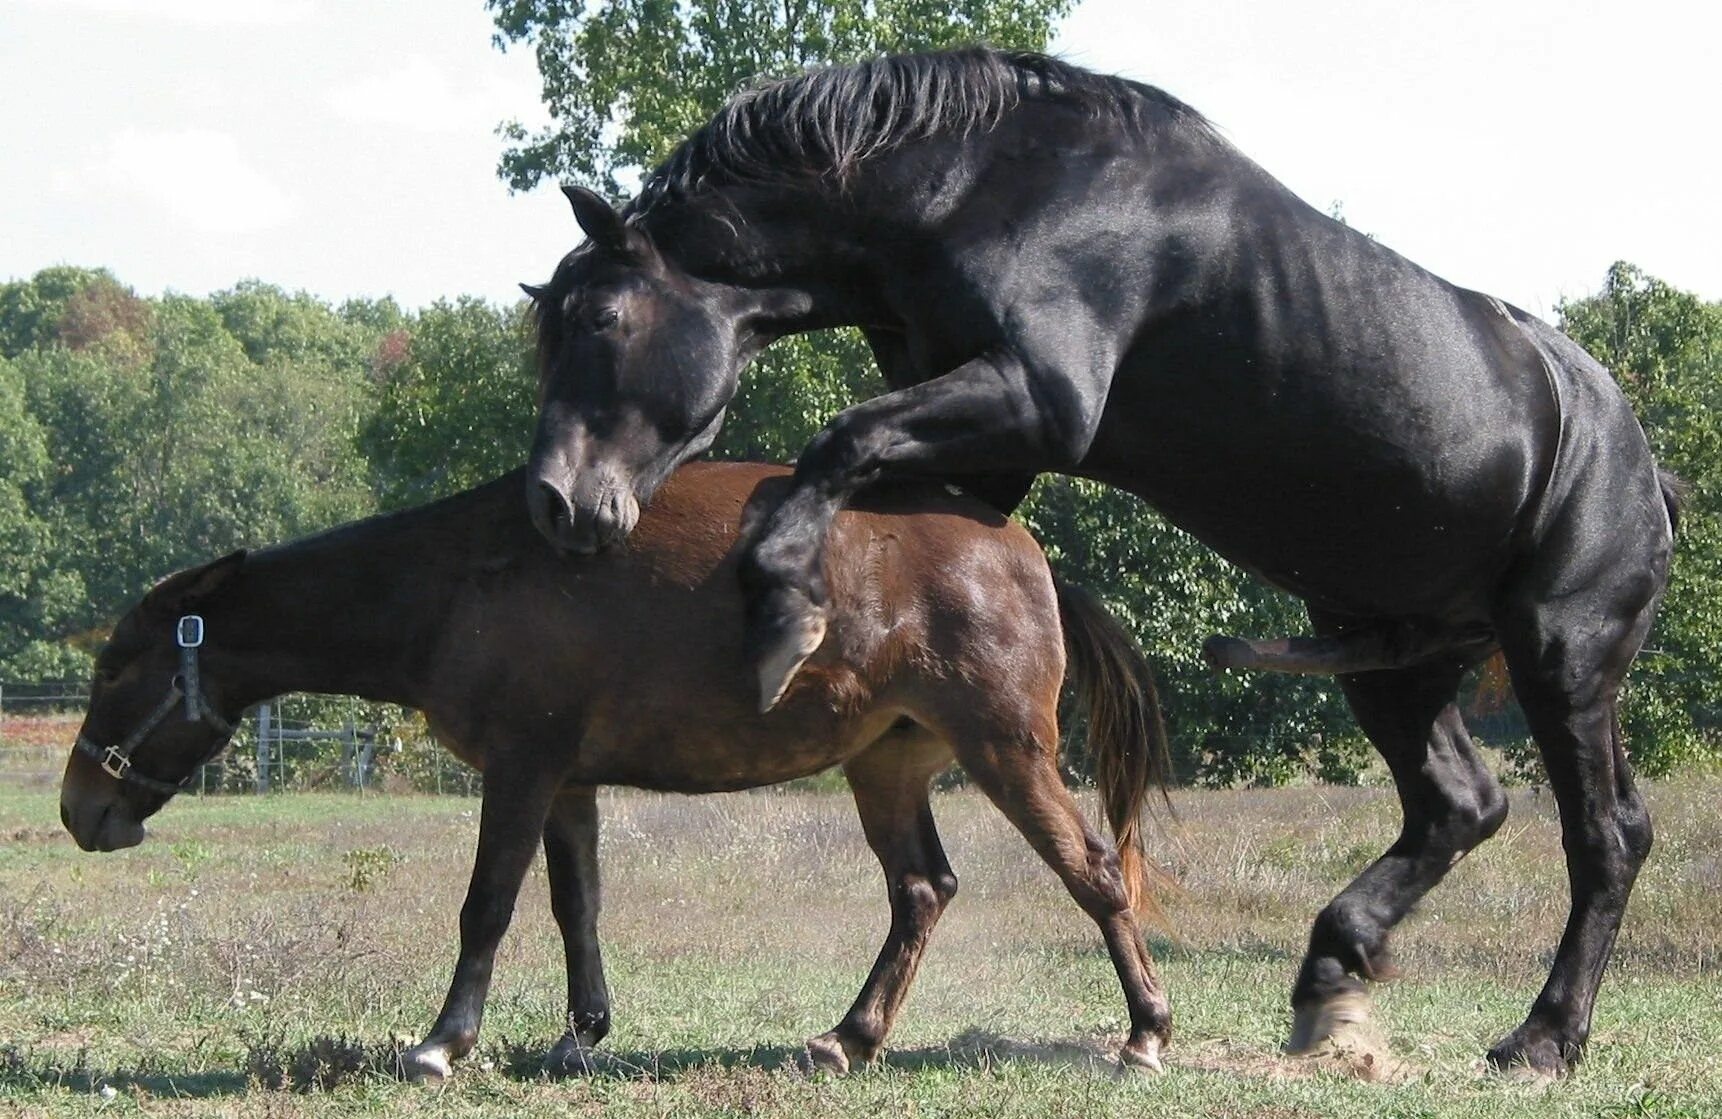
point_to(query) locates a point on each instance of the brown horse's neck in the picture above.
(358, 610)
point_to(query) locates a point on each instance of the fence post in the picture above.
(367, 757)
(263, 713)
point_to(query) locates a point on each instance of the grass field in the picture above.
(262, 957)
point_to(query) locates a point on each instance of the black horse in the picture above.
(1060, 271)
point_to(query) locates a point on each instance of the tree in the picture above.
(626, 80)
(455, 403)
(139, 436)
(1664, 346)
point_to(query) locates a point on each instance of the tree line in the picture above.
(141, 434)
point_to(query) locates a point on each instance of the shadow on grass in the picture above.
(325, 1063)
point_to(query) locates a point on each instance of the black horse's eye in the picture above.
(606, 318)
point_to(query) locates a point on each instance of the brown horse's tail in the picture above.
(1126, 734)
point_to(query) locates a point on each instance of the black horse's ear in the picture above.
(176, 593)
(534, 292)
(600, 220)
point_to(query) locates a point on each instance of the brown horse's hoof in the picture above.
(1142, 1056)
(793, 630)
(425, 1064)
(829, 1052)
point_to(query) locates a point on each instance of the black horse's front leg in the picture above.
(989, 417)
(516, 803)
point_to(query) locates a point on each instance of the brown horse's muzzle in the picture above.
(93, 810)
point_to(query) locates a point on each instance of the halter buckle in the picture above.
(189, 632)
(115, 764)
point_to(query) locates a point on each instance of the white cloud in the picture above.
(209, 12)
(200, 177)
(419, 96)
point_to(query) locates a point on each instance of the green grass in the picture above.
(264, 956)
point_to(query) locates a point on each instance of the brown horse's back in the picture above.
(637, 655)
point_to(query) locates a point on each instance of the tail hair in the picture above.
(1675, 493)
(1127, 740)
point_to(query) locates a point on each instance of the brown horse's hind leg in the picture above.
(889, 781)
(1023, 780)
(571, 861)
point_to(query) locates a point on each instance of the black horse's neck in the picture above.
(810, 268)
(333, 614)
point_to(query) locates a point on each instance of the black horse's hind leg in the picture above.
(1451, 802)
(1568, 650)
(890, 781)
(516, 802)
(989, 416)
(571, 861)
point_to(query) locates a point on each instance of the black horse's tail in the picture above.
(1126, 733)
(1675, 491)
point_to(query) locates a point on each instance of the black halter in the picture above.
(117, 760)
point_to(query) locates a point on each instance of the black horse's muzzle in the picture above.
(574, 523)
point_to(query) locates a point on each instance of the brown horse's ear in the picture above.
(598, 219)
(179, 591)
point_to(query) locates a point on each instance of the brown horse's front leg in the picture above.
(992, 416)
(571, 860)
(516, 802)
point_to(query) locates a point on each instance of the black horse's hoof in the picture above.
(573, 1056)
(785, 632)
(1529, 1053)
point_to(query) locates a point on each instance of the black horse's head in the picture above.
(637, 361)
(148, 727)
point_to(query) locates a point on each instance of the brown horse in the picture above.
(554, 678)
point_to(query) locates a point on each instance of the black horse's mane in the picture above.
(826, 122)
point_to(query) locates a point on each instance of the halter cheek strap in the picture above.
(116, 761)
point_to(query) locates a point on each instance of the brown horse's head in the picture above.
(637, 361)
(149, 727)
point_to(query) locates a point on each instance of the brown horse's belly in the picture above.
(720, 758)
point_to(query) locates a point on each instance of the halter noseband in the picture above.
(117, 760)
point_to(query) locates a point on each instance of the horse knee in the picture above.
(1104, 893)
(921, 900)
(1478, 816)
(1632, 817)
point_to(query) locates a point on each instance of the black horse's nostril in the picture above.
(557, 511)
(551, 512)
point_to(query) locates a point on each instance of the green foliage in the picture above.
(627, 80)
(1665, 348)
(1172, 593)
(367, 867)
(179, 428)
(455, 401)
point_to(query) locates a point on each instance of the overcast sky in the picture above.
(348, 148)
